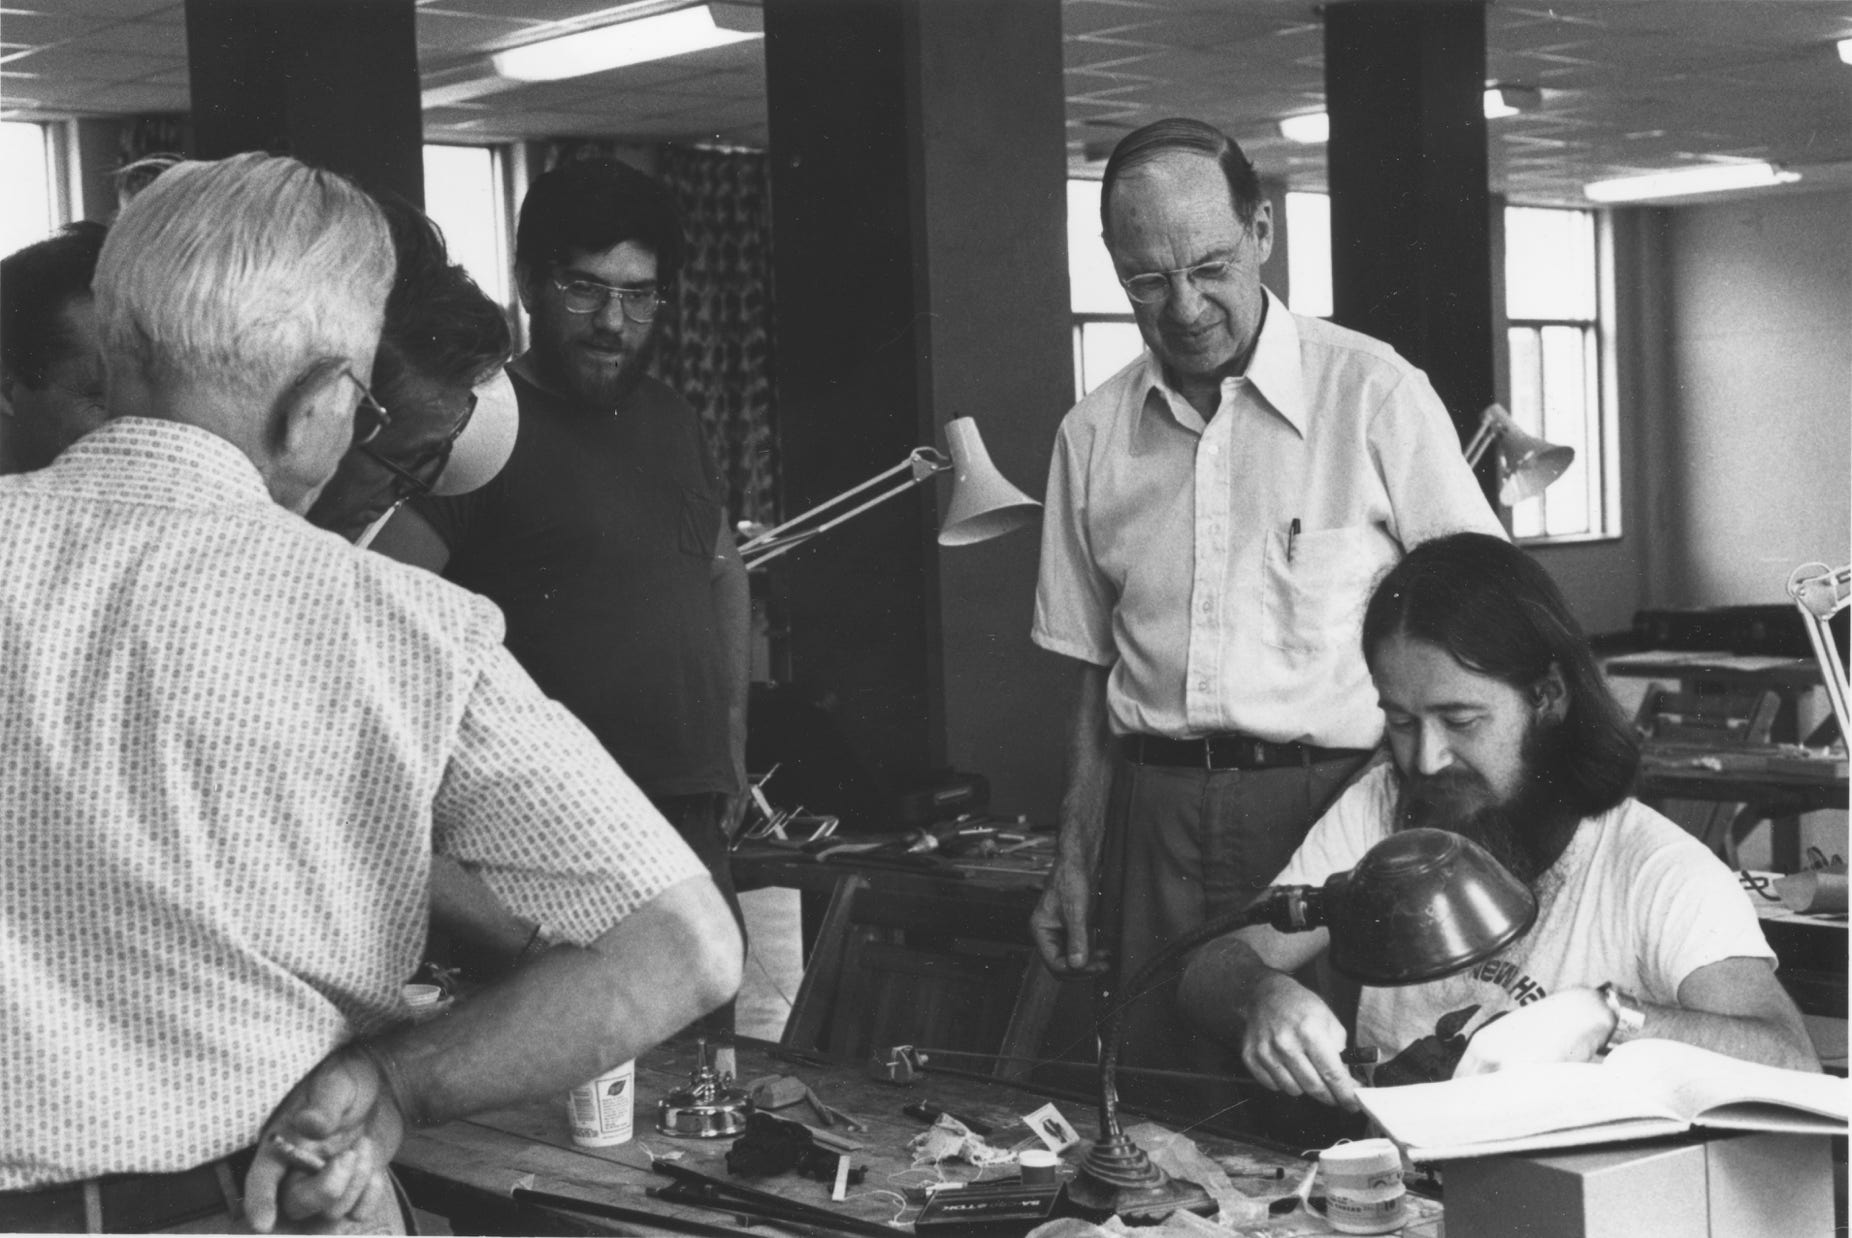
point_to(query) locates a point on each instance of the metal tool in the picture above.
(900, 1064)
(693, 1187)
(710, 1107)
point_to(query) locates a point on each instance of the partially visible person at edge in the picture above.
(230, 731)
(51, 375)
(604, 539)
(438, 372)
(1502, 730)
(1216, 513)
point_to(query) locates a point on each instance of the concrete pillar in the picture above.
(1411, 242)
(919, 204)
(332, 82)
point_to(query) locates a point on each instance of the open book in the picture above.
(1643, 1089)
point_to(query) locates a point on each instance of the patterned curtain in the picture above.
(716, 341)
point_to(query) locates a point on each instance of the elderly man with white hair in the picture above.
(230, 744)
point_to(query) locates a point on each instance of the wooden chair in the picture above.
(1679, 724)
(903, 964)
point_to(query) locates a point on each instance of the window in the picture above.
(29, 207)
(1106, 335)
(1553, 295)
(463, 193)
(1552, 308)
(1308, 253)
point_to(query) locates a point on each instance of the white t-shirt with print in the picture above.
(1634, 900)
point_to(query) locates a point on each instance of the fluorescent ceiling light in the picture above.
(1498, 102)
(1708, 179)
(1312, 127)
(1845, 50)
(629, 42)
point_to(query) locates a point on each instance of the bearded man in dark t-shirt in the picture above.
(604, 539)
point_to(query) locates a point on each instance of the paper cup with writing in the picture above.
(601, 1110)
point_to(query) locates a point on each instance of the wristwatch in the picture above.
(1629, 1016)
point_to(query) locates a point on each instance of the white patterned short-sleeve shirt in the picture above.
(229, 744)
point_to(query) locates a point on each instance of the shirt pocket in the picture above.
(1313, 588)
(699, 531)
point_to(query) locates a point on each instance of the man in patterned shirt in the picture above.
(230, 744)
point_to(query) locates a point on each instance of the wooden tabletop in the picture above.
(465, 1170)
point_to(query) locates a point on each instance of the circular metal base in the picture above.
(721, 1115)
(1118, 1177)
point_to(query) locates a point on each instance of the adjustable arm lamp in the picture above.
(1526, 463)
(984, 504)
(1420, 905)
(1820, 592)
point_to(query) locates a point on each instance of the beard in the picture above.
(592, 381)
(1527, 831)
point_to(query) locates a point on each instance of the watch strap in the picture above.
(1629, 1015)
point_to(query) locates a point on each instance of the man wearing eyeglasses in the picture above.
(51, 376)
(230, 745)
(604, 537)
(1216, 513)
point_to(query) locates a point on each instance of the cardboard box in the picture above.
(1709, 1186)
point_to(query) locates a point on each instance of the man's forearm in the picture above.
(571, 1013)
(1770, 1041)
(1221, 983)
(1089, 773)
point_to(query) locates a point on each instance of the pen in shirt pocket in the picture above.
(1292, 535)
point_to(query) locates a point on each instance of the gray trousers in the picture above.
(1198, 843)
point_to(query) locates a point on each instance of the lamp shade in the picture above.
(984, 505)
(1420, 905)
(1530, 464)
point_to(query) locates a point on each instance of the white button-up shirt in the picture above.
(1221, 568)
(229, 743)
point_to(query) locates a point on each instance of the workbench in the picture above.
(464, 1171)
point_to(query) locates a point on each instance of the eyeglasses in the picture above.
(370, 416)
(1154, 286)
(588, 296)
(417, 475)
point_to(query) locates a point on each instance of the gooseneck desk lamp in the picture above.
(1420, 905)
(1526, 464)
(1821, 593)
(984, 504)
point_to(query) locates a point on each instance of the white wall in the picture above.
(1759, 463)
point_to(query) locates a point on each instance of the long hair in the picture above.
(1143, 145)
(1498, 614)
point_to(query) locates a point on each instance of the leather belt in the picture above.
(127, 1203)
(1228, 752)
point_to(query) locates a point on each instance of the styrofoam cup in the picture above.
(601, 1110)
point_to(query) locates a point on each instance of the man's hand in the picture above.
(340, 1115)
(1293, 1043)
(1570, 1026)
(1062, 919)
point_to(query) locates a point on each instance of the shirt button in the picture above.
(1214, 448)
(1208, 608)
(1202, 685)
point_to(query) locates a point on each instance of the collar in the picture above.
(1273, 371)
(168, 462)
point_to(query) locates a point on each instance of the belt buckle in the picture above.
(1208, 742)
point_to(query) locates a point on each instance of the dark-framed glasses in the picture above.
(370, 416)
(588, 296)
(1153, 287)
(418, 475)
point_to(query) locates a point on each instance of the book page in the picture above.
(1524, 1107)
(1710, 1089)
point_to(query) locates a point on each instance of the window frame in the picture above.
(1601, 429)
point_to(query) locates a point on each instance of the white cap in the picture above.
(486, 442)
